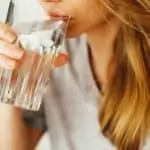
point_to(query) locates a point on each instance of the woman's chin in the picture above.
(72, 34)
(69, 35)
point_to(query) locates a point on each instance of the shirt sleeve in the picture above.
(35, 119)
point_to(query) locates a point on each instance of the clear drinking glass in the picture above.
(24, 87)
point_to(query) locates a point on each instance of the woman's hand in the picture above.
(11, 53)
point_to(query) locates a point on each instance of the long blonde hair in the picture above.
(125, 108)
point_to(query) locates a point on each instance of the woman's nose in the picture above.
(49, 5)
(52, 1)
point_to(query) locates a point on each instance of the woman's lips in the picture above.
(55, 15)
(59, 14)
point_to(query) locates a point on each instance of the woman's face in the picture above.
(86, 14)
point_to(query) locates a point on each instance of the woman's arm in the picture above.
(14, 134)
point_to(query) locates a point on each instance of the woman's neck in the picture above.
(101, 41)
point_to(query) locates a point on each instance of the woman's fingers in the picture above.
(9, 55)
(7, 62)
(10, 50)
(7, 34)
(61, 60)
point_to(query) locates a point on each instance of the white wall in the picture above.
(3, 9)
(25, 10)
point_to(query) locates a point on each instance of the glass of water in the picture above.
(24, 87)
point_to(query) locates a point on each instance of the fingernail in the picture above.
(18, 54)
(11, 37)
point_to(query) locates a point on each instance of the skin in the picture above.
(84, 15)
(96, 23)
(86, 19)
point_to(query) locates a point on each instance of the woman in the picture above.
(108, 79)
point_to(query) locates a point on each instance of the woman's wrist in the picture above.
(6, 109)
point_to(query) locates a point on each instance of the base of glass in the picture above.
(28, 105)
